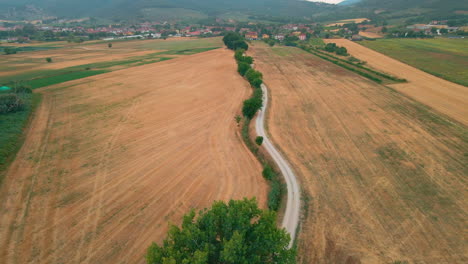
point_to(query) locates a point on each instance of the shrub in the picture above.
(10, 103)
(342, 51)
(9, 50)
(49, 60)
(259, 140)
(247, 59)
(274, 196)
(22, 89)
(242, 68)
(268, 173)
(109, 45)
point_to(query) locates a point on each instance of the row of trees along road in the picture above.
(237, 232)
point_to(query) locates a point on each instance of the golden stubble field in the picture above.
(110, 160)
(66, 55)
(444, 96)
(384, 177)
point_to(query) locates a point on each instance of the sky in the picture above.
(327, 1)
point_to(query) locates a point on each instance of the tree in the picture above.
(443, 31)
(49, 60)
(259, 140)
(384, 30)
(242, 68)
(330, 47)
(109, 45)
(251, 106)
(234, 233)
(342, 51)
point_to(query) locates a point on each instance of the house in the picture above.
(265, 36)
(303, 37)
(251, 36)
(356, 38)
(279, 37)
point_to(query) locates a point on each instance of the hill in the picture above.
(177, 8)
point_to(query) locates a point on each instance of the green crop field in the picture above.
(445, 58)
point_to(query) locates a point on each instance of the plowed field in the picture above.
(384, 176)
(110, 160)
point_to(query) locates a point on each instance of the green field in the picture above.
(445, 58)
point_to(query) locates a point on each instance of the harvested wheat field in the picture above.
(369, 34)
(444, 96)
(67, 55)
(384, 176)
(110, 160)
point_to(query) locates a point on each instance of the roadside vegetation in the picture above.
(349, 62)
(249, 109)
(234, 232)
(444, 58)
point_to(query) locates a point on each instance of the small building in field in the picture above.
(303, 37)
(356, 38)
(251, 36)
(279, 37)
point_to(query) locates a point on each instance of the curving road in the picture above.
(293, 206)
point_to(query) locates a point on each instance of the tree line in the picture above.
(237, 232)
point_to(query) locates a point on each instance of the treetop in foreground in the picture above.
(237, 232)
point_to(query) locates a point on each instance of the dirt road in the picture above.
(444, 96)
(293, 204)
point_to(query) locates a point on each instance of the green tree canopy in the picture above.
(234, 233)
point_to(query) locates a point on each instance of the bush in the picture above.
(10, 103)
(109, 45)
(9, 50)
(342, 51)
(268, 173)
(49, 60)
(22, 89)
(242, 68)
(259, 140)
(274, 196)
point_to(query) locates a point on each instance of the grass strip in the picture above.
(12, 126)
(51, 80)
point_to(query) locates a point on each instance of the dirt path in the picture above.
(293, 204)
(111, 160)
(444, 96)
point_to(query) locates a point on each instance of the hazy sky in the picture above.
(327, 1)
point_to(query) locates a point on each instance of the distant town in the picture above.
(84, 29)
